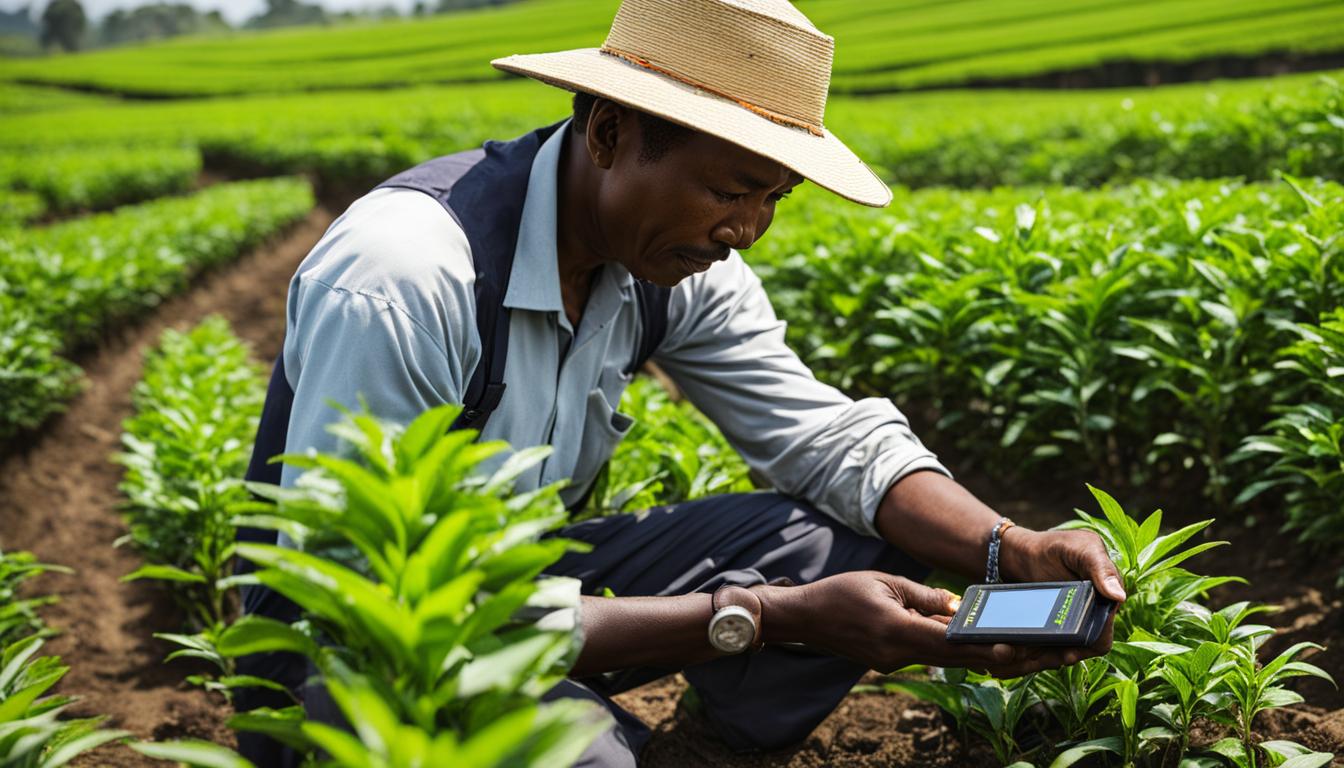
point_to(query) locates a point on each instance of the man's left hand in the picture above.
(1027, 555)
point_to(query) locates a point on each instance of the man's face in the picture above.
(670, 218)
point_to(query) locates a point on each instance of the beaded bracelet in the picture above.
(995, 539)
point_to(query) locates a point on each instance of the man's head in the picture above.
(669, 201)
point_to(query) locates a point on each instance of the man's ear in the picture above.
(608, 124)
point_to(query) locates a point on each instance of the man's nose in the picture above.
(738, 233)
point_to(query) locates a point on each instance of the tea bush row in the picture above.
(1247, 128)
(73, 180)
(187, 446)
(1130, 332)
(63, 285)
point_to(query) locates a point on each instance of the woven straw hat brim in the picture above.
(824, 160)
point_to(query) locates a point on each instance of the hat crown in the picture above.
(764, 54)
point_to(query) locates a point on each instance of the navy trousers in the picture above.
(766, 700)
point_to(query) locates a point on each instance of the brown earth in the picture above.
(58, 499)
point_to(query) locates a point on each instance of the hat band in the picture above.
(769, 114)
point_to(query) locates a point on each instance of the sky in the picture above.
(234, 10)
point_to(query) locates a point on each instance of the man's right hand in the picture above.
(889, 622)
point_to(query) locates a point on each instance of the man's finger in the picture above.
(1102, 571)
(925, 599)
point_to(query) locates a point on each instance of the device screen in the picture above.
(1017, 608)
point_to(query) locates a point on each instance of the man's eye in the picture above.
(727, 197)
(780, 195)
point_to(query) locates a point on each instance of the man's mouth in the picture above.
(699, 262)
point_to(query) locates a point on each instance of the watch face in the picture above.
(733, 633)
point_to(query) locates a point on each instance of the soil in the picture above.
(58, 498)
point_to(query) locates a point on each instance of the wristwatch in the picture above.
(736, 624)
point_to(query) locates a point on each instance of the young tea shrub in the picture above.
(186, 450)
(424, 616)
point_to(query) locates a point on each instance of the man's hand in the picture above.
(1027, 555)
(887, 622)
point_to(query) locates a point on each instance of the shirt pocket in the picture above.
(603, 429)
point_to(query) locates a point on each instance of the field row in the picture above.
(900, 45)
(1136, 333)
(60, 160)
(61, 286)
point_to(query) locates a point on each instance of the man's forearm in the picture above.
(672, 632)
(940, 523)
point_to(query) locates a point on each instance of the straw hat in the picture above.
(753, 72)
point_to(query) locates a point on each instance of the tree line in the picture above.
(64, 25)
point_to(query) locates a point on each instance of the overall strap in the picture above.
(653, 300)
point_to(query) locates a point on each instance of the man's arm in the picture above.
(936, 520)
(726, 349)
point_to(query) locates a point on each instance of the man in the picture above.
(528, 281)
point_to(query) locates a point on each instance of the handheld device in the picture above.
(1044, 613)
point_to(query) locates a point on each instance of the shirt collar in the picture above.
(534, 282)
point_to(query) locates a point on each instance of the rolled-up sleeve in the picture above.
(725, 349)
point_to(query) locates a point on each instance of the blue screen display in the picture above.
(1018, 608)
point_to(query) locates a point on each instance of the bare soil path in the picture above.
(58, 499)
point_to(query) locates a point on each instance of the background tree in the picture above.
(63, 24)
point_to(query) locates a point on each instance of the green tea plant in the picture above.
(186, 450)
(1173, 661)
(423, 611)
(671, 454)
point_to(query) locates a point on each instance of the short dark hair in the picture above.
(659, 135)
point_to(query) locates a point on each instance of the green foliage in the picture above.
(18, 207)
(82, 180)
(1305, 442)
(31, 735)
(63, 285)
(671, 454)
(424, 613)
(1247, 128)
(187, 448)
(1173, 661)
(1135, 328)
(18, 614)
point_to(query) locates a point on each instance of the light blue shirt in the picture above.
(383, 306)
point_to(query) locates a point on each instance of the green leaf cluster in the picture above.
(1304, 444)
(1173, 661)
